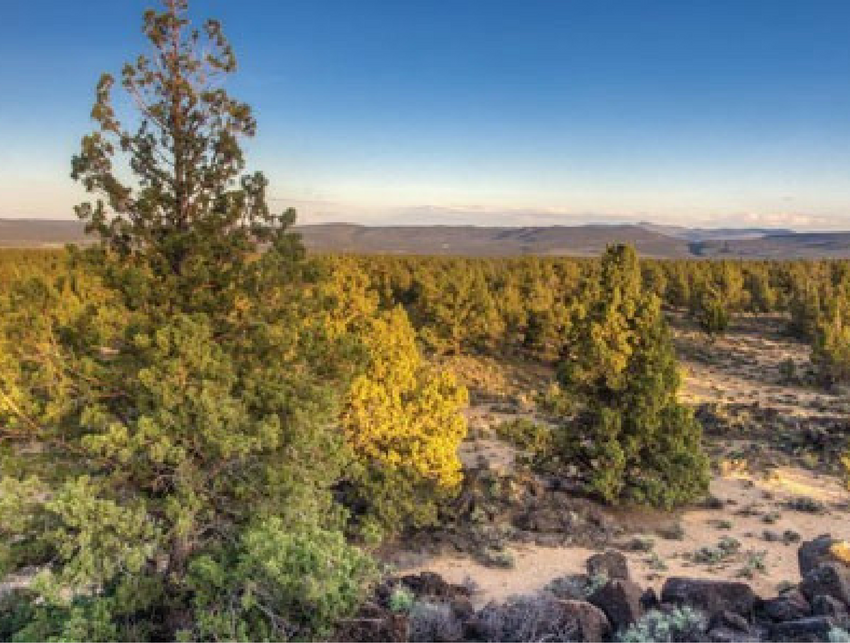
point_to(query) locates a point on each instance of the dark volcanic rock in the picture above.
(814, 552)
(729, 620)
(829, 606)
(790, 606)
(611, 564)
(710, 596)
(812, 628)
(374, 624)
(433, 585)
(591, 622)
(827, 579)
(621, 602)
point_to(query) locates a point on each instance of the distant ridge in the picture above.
(651, 240)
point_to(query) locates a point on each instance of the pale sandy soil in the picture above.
(536, 566)
(743, 367)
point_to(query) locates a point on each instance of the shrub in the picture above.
(635, 441)
(535, 440)
(710, 312)
(403, 424)
(680, 624)
(434, 622)
(401, 599)
(526, 618)
(278, 584)
(839, 635)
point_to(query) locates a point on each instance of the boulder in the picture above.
(591, 622)
(827, 579)
(813, 553)
(710, 596)
(829, 606)
(811, 628)
(649, 599)
(621, 602)
(789, 606)
(611, 564)
(730, 621)
(433, 585)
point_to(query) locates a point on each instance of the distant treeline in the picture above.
(525, 306)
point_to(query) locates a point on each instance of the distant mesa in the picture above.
(651, 240)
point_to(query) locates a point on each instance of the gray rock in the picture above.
(812, 628)
(591, 622)
(710, 596)
(814, 552)
(611, 564)
(829, 606)
(621, 602)
(827, 579)
(789, 606)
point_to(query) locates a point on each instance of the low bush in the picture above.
(526, 618)
(680, 624)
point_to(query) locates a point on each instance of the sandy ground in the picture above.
(741, 367)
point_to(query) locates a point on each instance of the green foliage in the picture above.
(176, 382)
(403, 423)
(536, 441)
(678, 624)
(401, 599)
(711, 312)
(831, 345)
(636, 441)
(277, 584)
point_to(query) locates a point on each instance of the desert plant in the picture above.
(434, 622)
(526, 618)
(401, 599)
(535, 440)
(839, 635)
(679, 624)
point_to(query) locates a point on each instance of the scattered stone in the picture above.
(814, 552)
(790, 606)
(611, 564)
(710, 596)
(827, 579)
(829, 606)
(812, 628)
(729, 620)
(672, 532)
(621, 602)
(592, 624)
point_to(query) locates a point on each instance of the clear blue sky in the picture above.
(704, 112)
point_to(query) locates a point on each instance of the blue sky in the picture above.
(509, 112)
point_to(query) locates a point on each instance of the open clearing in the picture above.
(773, 440)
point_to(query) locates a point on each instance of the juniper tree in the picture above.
(192, 405)
(635, 441)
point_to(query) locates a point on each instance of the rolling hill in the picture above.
(651, 240)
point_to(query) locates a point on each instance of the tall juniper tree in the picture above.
(191, 403)
(636, 441)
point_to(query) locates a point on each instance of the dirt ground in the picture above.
(769, 490)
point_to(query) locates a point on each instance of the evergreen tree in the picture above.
(192, 404)
(710, 311)
(635, 440)
(404, 424)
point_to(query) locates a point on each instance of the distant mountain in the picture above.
(30, 233)
(651, 240)
(585, 240)
(706, 234)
